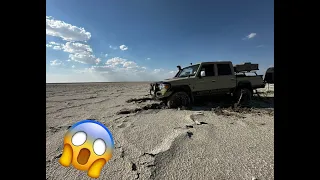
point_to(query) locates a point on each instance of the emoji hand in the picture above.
(66, 157)
(95, 169)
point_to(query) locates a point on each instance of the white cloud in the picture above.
(259, 46)
(113, 47)
(164, 74)
(98, 60)
(173, 72)
(118, 62)
(57, 47)
(108, 73)
(78, 52)
(115, 69)
(119, 69)
(251, 35)
(123, 47)
(56, 62)
(83, 57)
(130, 64)
(77, 47)
(158, 70)
(101, 69)
(65, 31)
(148, 58)
(55, 43)
(115, 61)
(143, 69)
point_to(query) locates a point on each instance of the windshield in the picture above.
(190, 70)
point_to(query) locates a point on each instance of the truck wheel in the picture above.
(246, 96)
(178, 99)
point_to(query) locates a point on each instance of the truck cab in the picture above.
(213, 78)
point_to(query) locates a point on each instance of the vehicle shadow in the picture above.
(209, 103)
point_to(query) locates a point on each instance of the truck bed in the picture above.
(256, 80)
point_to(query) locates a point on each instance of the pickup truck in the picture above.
(208, 78)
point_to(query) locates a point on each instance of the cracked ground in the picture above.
(152, 142)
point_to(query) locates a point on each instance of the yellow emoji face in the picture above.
(88, 145)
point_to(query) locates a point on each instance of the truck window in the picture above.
(224, 69)
(208, 69)
(191, 70)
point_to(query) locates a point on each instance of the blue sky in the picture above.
(140, 40)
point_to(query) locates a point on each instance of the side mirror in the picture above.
(202, 74)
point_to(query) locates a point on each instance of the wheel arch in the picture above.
(244, 84)
(184, 88)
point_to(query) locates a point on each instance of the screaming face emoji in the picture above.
(88, 145)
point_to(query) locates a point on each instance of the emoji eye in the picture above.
(99, 147)
(79, 138)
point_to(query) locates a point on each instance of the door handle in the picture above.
(213, 80)
(232, 78)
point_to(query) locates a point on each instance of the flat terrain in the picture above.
(211, 141)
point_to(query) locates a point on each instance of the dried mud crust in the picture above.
(139, 100)
(143, 108)
(240, 111)
(258, 105)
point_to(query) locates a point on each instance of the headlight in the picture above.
(164, 86)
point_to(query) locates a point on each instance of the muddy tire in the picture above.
(178, 99)
(246, 96)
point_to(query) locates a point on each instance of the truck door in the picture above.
(225, 78)
(205, 85)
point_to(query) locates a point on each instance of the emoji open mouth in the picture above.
(83, 156)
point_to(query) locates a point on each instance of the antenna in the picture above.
(190, 63)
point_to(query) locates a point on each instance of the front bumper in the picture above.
(154, 90)
(156, 93)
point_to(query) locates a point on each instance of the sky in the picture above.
(144, 40)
